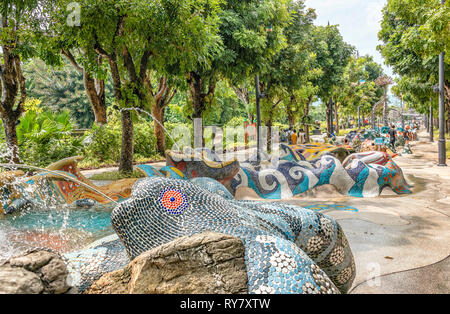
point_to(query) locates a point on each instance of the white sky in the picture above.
(358, 20)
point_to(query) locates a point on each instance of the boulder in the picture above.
(206, 263)
(35, 272)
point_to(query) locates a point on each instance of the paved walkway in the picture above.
(401, 244)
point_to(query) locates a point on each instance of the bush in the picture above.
(235, 122)
(103, 143)
(45, 137)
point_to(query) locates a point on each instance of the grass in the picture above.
(447, 137)
(88, 163)
(116, 175)
(447, 145)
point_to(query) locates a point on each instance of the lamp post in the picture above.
(258, 118)
(431, 124)
(441, 142)
(258, 97)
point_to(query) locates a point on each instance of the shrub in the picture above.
(45, 137)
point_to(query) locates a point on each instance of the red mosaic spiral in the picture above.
(173, 201)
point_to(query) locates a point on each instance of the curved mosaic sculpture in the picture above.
(372, 157)
(287, 249)
(287, 178)
(202, 163)
(313, 151)
(46, 189)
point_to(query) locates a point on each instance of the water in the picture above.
(58, 173)
(63, 228)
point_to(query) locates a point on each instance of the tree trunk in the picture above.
(160, 99)
(158, 113)
(269, 135)
(12, 99)
(95, 89)
(126, 155)
(290, 113)
(12, 143)
(330, 117)
(305, 114)
(336, 118)
(199, 98)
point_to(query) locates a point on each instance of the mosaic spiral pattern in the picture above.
(286, 179)
(173, 201)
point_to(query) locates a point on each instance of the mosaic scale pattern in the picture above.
(287, 249)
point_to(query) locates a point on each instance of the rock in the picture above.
(33, 273)
(207, 263)
(14, 280)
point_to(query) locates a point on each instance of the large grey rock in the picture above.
(33, 273)
(207, 263)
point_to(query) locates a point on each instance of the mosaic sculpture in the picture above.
(287, 179)
(46, 188)
(313, 151)
(288, 249)
(362, 175)
(202, 163)
(371, 157)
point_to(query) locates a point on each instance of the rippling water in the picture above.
(63, 229)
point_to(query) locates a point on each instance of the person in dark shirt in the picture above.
(392, 135)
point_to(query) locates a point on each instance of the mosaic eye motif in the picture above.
(173, 201)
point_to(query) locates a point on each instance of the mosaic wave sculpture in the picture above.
(313, 151)
(286, 179)
(362, 175)
(288, 249)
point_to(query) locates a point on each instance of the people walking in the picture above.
(392, 135)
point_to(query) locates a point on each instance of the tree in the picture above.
(62, 88)
(295, 65)
(246, 47)
(358, 89)
(162, 93)
(15, 48)
(414, 33)
(333, 56)
(93, 85)
(134, 38)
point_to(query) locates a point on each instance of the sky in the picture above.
(358, 20)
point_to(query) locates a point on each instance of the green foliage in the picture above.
(414, 33)
(333, 56)
(358, 86)
(102, 142)
(45, 137)
(226, 105)
(62, 89)
(117, 175)
(236, 122)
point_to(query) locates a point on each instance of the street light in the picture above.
(258, 119)
(258, 97)
(441, 142)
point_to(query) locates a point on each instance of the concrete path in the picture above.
(401, 244)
